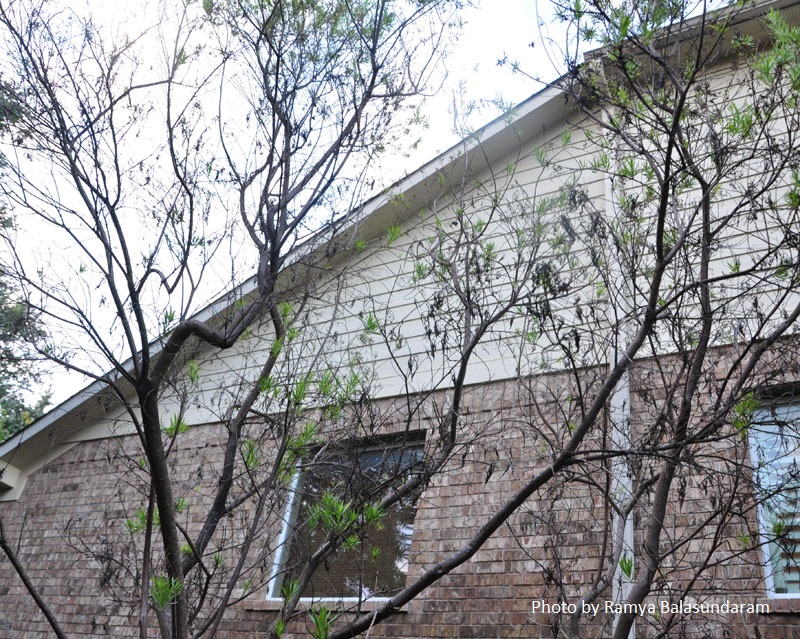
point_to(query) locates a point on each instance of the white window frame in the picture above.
(762, 422)
(276, 576)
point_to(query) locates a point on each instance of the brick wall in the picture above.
(71, 534)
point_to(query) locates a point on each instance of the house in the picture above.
(543, 386)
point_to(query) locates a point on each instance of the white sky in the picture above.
(493, 30)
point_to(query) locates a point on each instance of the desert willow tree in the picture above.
(147, 159)
(692, 111)
(686, 126)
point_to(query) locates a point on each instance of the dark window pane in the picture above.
(377, 565)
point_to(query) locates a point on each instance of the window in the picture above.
(373, 563)
(774, 441)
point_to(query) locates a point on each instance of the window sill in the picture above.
(334, 604)
(781, 605)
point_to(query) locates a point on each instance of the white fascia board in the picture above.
(49, 418)
(493, 139)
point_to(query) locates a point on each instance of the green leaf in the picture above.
(421, 271)
(194, 371)
(165, 590)
(371, 324)
(289, 588)
(627, 168)
(176, 426)
(393, 232)
(351, 542)
(167, 319)
(373, 514)
(326, 385)
(251, 453)
(741, 414)
(332, 514)
(300, 391)
(277, 347)
(626, 565)
(744, 539)
(285, 309)
(624, 26)
(322, 621)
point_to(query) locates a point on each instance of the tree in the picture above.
(603, 266)
(657, 243)
(17, 369)
(145, 160)
(693, 120)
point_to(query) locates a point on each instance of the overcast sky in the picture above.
(493, 30)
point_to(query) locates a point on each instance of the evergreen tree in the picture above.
(18, 372)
